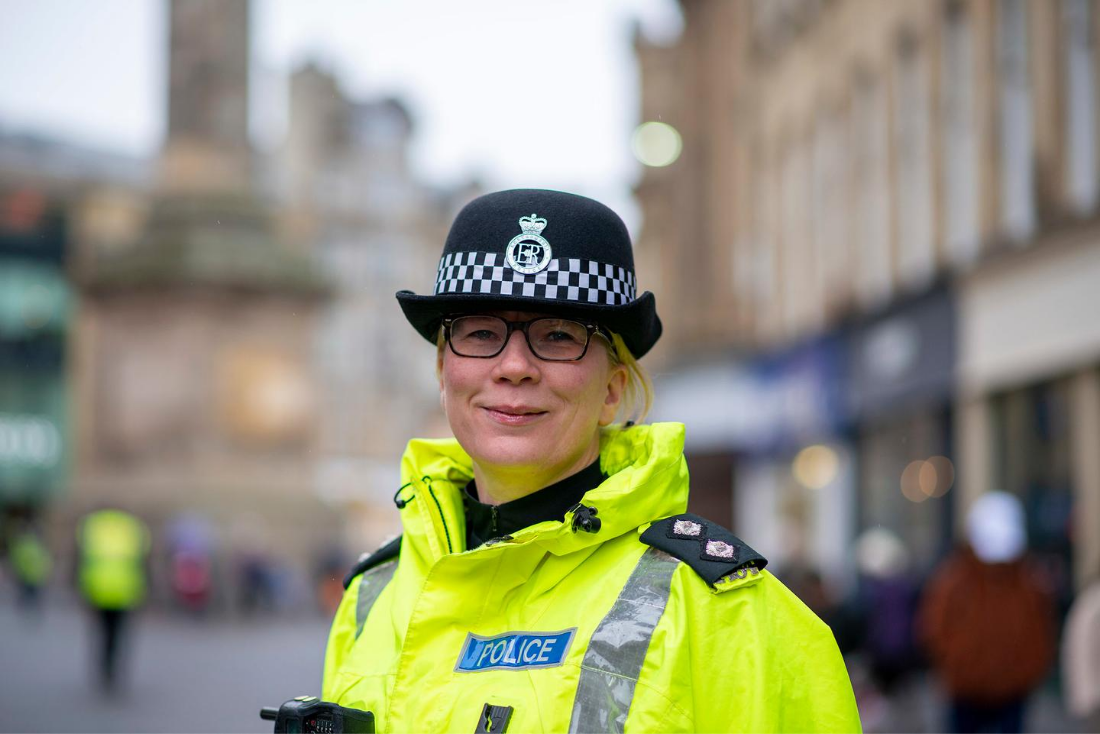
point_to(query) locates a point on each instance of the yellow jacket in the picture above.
(113, 546)
(567, 630)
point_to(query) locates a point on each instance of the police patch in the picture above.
(515, 650)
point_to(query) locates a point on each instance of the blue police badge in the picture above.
(529, 252)
(514, 650)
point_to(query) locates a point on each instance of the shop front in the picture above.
(35, 306)
(1029, 406)
(900, 384)
(768, 447)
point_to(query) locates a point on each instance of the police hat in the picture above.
(536, 250)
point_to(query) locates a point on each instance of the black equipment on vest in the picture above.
(311, 715)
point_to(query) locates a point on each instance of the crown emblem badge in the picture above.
(529, 252)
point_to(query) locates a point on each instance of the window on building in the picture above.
(830, 207)
(1080, 80)
(871, 211)
(1017, 175)
(960, 143)
(916, 252)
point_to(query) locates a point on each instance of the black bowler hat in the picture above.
(536, 250)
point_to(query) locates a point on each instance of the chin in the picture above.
(510, 451)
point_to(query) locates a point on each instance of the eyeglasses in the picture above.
(550, 339)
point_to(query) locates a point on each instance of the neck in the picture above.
(499, 484)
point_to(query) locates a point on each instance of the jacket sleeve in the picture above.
(753, 658)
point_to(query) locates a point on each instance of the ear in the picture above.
(616, 386)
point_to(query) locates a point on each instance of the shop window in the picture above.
(1016, 149)
(1032, 460)
(1080, 119)
(960, 144)
(916, 256)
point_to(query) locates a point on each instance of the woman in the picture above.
(548, 578)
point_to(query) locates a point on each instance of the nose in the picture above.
(516, 363)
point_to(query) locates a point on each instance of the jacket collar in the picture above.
(647, 480)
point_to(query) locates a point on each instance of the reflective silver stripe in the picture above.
(618, 647)
(370, 586)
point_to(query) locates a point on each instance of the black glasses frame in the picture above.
(524, 327)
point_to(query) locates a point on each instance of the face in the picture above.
(517, 413)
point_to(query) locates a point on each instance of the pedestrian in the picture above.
(549, 578)
(988, 621)
(32, 565)
(112, 550)
(1081, 656)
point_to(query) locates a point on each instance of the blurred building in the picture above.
(44, 188)
(347, 190)
(879, 253)
(193, 376)
(213, 334)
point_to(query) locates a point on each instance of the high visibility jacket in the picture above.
(575, 630)
(113, 545)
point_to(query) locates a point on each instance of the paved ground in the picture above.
(184, 675)
(195, 676)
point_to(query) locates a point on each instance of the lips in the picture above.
(513, 415)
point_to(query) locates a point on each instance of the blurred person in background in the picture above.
(112, 573)
(987, 620)
(31, 565)
(190, 542)
(879, 624)
(1081, 656)
(549, 578)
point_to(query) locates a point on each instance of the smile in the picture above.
(509, 416)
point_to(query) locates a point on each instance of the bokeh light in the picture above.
(816, 466)
(656, 144)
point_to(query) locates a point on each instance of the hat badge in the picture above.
(529, 252)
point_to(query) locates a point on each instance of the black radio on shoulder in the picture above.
(311, 715)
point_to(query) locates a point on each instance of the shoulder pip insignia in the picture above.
(368, 561)
(712, 551)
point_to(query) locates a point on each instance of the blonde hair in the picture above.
(637, 392)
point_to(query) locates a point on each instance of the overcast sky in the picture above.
(519, 92)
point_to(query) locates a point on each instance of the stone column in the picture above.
(1085, 472)
(974, 455)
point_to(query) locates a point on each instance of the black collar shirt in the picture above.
(486, 522)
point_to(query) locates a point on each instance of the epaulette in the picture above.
(712, 551)
(368, 561)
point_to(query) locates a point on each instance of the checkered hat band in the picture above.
(564, 279)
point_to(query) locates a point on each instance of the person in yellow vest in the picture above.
(548, 578)
(112, 547)
(32, 565)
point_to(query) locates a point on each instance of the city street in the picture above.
(213, 676)
(184, 675)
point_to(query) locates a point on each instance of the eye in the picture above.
(560, 336)
(483, 335)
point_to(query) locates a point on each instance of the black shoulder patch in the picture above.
(710, 549)
(369, 561)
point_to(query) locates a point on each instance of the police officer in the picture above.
(548, 578)
(112, 547)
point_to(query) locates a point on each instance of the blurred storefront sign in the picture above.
(776, 404)
(34, 448)
(769, 436)
(904, 358)
(35, 313)
(1028, 321)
